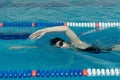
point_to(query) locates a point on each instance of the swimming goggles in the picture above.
(60, 43)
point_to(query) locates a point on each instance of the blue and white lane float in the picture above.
(70, 24)
(30, 24)
(60, 73)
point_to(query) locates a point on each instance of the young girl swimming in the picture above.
(74, 42)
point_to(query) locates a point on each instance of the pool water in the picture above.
(47, 57)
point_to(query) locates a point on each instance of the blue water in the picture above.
(48, 57)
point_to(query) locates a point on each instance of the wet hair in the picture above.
(55, 40)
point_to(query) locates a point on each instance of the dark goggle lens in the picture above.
(61, 44)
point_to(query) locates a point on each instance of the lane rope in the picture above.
(70, 24)
(60, 73)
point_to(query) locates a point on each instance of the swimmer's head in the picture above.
(58, 42)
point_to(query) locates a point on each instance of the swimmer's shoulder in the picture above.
(80, 46)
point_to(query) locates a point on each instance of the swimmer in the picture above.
(75, 42)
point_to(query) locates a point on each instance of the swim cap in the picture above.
(55, 40)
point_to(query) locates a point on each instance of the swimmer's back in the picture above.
(90, 48)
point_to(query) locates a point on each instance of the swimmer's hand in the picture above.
(21, 47)
(38, 34)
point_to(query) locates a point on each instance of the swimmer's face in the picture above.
(62, 44)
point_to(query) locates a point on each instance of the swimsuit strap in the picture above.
(97, 50)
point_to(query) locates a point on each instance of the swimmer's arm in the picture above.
(70, 34)
(21, 47)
